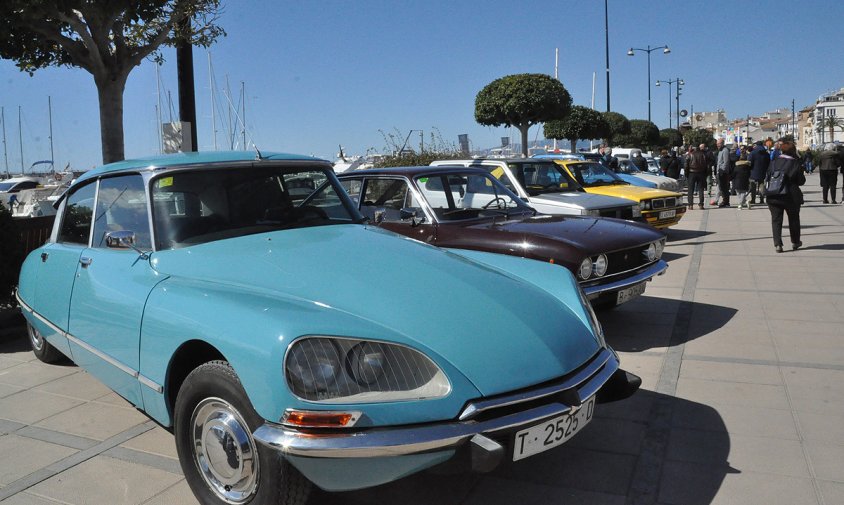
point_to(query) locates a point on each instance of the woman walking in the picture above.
(782, 187)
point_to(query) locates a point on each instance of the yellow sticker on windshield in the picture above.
(165, 182)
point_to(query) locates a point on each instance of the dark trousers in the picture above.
(757, 188)
(829, 178)
(697, 183)
(724, 187)
(777, 209)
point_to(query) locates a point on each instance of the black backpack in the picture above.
(776, 185)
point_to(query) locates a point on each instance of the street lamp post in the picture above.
(670, 82)
(665, 50)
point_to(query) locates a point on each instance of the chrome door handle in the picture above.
(44, 257)
(85, 261)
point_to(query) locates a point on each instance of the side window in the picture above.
(352, 187)
(122, 206)
(389, 194)
(76, 221)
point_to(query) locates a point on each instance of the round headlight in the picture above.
(366, 363)
(600, 266)
(313, 365)
(650, 252)
(642, 205)
(660, 247)
(585, 268)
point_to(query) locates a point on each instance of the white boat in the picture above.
(33, 195)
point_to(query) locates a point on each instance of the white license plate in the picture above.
(627, 294)
(667, 214)
(552, 433)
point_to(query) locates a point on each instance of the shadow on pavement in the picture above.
(669, 256)
(677, 235)
(650, 448)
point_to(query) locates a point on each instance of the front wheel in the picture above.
(42, 349)
(222, 462)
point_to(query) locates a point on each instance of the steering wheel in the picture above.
(499, 201)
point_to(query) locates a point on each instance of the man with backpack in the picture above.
(759, 160)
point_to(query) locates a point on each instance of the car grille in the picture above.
(625, 212)
(664, 203)
(626, 260)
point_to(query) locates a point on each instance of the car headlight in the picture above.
(660, 247)
(645, 204)
(650, 252)
(347, 370)
(585, 270)
(600, 265)
(637, 211)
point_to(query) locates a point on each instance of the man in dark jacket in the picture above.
(829, 163)
(759, 160)
(640, 162)
(696, 176)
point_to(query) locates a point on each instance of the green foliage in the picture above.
(10, 252)
(522, 100)
(581, 123)
(618, 125)
(670, 137)
(699, 136)
(643, 134)
(415, 160)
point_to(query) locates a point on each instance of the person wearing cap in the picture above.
(759, 161)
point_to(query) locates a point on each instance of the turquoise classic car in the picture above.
(243, 302)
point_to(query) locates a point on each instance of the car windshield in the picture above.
(198, 206)
(455, 196)
(627, 167)
(592, 175)
(540, 178)
(6, 186)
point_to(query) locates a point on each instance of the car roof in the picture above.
(411, 171)
(191, 158)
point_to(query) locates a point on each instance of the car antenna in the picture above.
(259, 157)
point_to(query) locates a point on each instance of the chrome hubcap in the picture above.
(35, 337)
(224, 450)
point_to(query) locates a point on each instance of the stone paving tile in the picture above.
(179, 494)
(731, 372)
(739, 420)
(79, 385)
(815, 390)
(33, 374)
(8, 390)
(94, 420)
(733, 393)
(20, 456)
(493, 491)
(30, 499)
(105, 481)
(694, 484)
(827, 460)
(720, 349)
(821, 427)
(156, 441)
(31, 406)
(832, 492)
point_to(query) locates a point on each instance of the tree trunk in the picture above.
(573, 146)
(110, 93)
(523, 128)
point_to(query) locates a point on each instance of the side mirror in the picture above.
(412, 214)
(379, 215)
(123, 239)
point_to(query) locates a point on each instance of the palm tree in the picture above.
(832, 123)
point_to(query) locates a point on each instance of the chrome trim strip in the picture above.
(473, 409)
(103, 356)
(146, 381)
(398, 441)
(657, 268)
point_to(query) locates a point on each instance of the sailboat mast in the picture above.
(213, 105)
(243, 119)
(50, 115)
(5, 153)
(20, 137)
(158, 128)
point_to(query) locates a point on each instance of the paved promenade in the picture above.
(741, 351)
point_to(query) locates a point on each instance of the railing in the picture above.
(34, 231)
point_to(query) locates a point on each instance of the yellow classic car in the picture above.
(660, 208)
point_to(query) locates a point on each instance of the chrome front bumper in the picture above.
(476, 423)
(650, 272)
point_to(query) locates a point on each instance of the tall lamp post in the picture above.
(665, 50)
(670, 82)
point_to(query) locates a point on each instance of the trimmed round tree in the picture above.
(643, 134)
(581, 123)
(522, 100)
(618, 125)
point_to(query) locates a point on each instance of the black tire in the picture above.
(42, 349)
(262, 476)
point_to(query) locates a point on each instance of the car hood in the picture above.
(578, 200)
(637, 181)
(500, 331)
(590, 235)
(636, 193)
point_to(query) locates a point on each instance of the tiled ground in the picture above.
(741, 352)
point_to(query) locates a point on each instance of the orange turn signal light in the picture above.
(320, 419)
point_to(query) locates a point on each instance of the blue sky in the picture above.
(321, 74)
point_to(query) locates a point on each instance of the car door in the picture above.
(390, 195)
(111, 287)
(56, 272)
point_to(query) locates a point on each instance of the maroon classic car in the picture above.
(466, 208)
